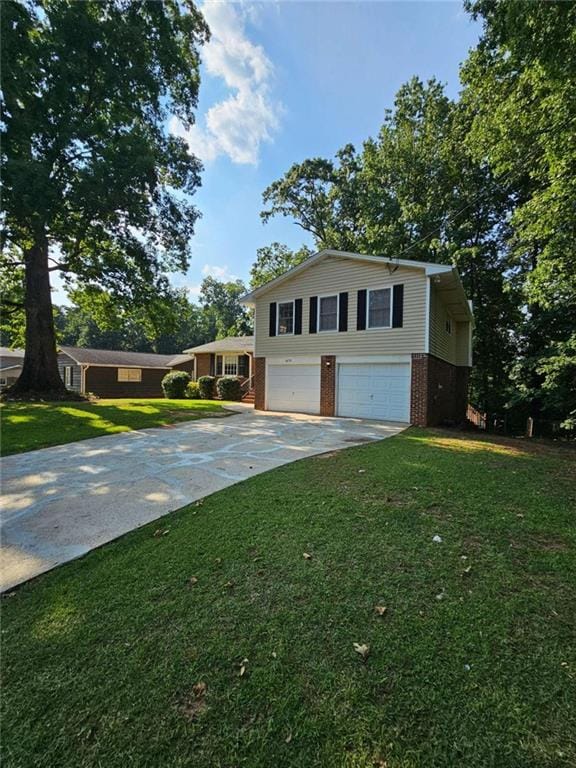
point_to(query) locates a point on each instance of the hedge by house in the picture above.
(193, 391)
(174, 384)
(229, 388)
(207, 386)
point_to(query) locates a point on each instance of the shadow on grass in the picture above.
(29, 426)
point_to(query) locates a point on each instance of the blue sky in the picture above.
(284, 81)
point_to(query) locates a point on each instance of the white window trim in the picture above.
(67, 375)
(368, 292)
(129, 380)
(230, 357)
(328, 296)
(290, 301)
(3, 382)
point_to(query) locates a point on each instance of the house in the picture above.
(11, 362)
(232, 356)
(343, 334)
(114, 373)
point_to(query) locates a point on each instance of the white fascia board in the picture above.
(428, 268)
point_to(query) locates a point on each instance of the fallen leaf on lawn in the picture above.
(229, 585)
(199, 689)
(467, 571)
(437, 539)
(192, 580)
(361, 471)
(307, 556)
(440, 595)
(218, 561)
(243, 667)
(274, 655)
(199, 503)
(380, 610)
(362, 650)
(288, 738)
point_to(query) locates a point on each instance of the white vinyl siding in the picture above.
(129, 374)
(337, 275)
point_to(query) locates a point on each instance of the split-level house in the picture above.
(343, 334)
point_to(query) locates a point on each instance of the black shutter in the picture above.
(343, 312)
(361, 311)
(218, 365)
(298, 317)
(272, 329)
(243, 366)
(212, 364)
(398, 306)
(313, 319)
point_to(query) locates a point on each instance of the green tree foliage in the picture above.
(94, 185)
(273, 260)
(224, 314)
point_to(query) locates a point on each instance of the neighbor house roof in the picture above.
(113, 357)
(230, 344)
(11, 358)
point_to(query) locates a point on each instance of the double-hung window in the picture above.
(230, 365)
(328, 313)
(67, 375)
(380, 308)
(285, 318)
(129, 374)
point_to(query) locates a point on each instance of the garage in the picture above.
(374, 391)
(293, 387)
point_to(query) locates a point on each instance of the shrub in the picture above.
(174, 384)
(229, 388)
(207, 386)
(193, 391)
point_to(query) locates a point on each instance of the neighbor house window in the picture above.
(380, 308)
(328, 313)
(67, 375)
(129, 374)
(230, 365)
(2, 382)
(285, 318)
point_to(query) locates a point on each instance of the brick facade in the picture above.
(203, 366)
(328, 385)
(439, 391)
(259, 371)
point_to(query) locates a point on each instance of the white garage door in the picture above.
(293, 388)
(374, 391)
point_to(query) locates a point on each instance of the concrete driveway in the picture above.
(59, 503)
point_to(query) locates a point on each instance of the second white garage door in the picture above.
(293, 387)
(374, 391)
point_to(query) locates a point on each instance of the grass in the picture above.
(132, 656)
(28, 426)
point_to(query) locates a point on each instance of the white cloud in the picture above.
(237, 125)
(220, 273)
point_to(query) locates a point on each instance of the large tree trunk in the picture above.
(39, 377)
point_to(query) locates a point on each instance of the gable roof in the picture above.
(428, 267)
(118, 357)
(230, 344)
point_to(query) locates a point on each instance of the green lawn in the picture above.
(28, 426)
(132, 656)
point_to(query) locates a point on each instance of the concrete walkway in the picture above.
(59, 503)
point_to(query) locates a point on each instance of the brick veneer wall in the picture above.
(439, 391)
(327, 385)
(202, 365)
(260, 383)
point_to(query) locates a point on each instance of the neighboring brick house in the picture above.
(11, 362)
(114, 373)
(363, 336)
(232, 356)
